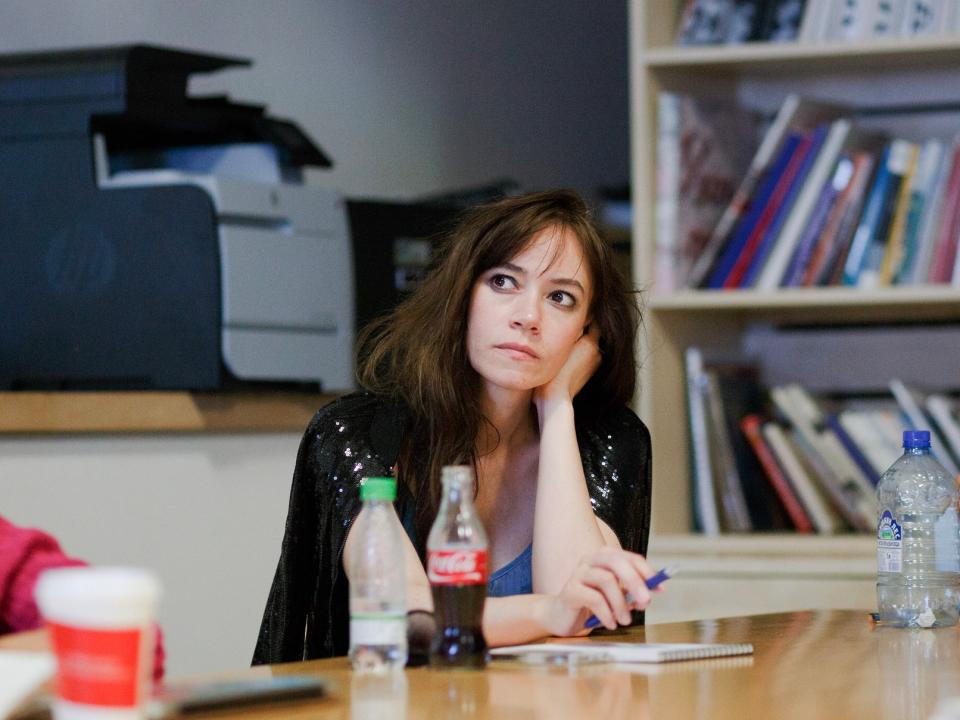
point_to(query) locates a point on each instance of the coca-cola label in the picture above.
(457, 567)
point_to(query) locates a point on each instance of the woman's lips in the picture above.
(518, 351)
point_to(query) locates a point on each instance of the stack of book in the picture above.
(822, 202)
(714, 22)
(783, 459)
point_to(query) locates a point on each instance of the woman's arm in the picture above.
(565, 528)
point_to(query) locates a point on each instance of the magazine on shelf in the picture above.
(703, 148)
(943, 412)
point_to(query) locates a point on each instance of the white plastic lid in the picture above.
(101, 597)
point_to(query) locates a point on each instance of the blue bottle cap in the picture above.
(916, 438)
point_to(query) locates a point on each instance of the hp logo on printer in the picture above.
(80, 259)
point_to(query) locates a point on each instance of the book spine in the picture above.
(933, 212)
(751, 426)
(805, 254)
(947, 232)
(770, 240)
(928, 167)
(823, 520)
(817, 180)
(739, 205)
(871, 216)
(894, 254)
(833, 244)
(668, 187)
(758, 208)
(703, 490)
(850, 445)
(897, 165)
(769, 220)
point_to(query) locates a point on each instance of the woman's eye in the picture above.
(503, 282)
(563, 298)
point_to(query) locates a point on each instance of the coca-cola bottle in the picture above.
(457, 569)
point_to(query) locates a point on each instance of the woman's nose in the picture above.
(526, 314)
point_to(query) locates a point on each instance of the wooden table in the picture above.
(816, 664)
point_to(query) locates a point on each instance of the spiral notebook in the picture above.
(622, 652)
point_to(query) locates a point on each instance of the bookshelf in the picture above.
(901, 71)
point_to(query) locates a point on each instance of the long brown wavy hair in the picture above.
(418, 352)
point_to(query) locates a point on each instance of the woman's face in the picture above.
(526, 314)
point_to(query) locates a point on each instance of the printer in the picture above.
(155, 240)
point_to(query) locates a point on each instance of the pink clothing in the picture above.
(24, 554)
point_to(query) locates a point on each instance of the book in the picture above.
(850, 20)
(899, 162)
(940, 409)
(824, 521)
(911, 404)
(813, 27)
(894, 252)
(830, 250)
(793, 115)
(703, 148)
(752, 426)
(785, 210)
(741, 394)
(754, 222)
(803, 254)
(781, 20)
(869, 221)
(854, 450)
(704, 22)
(932, 213)
(706, 513)
(921, 198)
(624, 652)
(945, 245)
(733, 504)
(887, 19)
(773, 270)
(871, 435)
(803, 414)
(925, 17)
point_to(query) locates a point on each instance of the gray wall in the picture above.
(409, 97)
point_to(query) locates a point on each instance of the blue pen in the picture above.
(651, 582)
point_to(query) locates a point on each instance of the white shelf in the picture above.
(791, 58)
(914, 303)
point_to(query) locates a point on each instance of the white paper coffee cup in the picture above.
(101, 623)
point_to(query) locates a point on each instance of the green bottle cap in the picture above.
(378, 488)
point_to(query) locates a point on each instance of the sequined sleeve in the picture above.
(306, 612)
(616, 455)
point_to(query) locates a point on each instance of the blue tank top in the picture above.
(514, 578)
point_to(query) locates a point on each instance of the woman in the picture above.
(514, 355)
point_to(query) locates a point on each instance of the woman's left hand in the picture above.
(581, 364)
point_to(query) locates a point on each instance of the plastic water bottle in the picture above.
(918, 546)
(378, 591)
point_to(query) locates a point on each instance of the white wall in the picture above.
(411, 97)
(205, 513)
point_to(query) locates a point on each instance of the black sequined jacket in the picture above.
(359, 435)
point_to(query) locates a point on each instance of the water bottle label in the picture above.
(457, 567)
(889, 544)
(378, 629)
